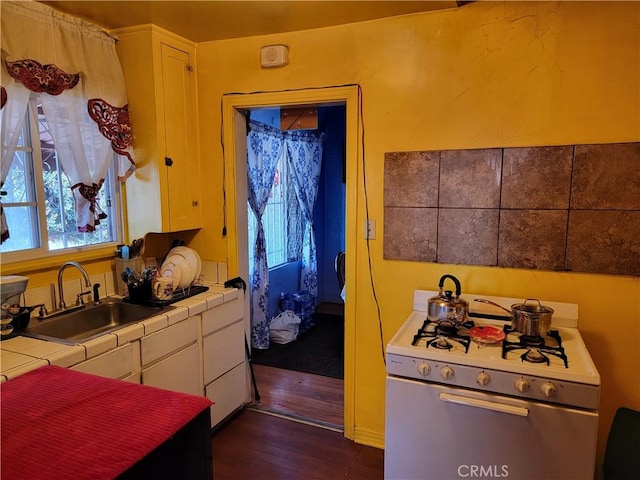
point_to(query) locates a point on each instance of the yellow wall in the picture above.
(489, 74)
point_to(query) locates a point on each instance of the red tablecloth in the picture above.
(61, 424)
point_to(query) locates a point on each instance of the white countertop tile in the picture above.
(214, 299)
(177, 314)
(228, 293)
(155, 323)
(14, 364)
(55, 353)
(129, 333)
(22, 369)
(98, 345)
(195, 305)
(72, 355)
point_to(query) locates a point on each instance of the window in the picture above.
(280, 220)
(39, 204)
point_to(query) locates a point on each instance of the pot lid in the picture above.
(531, 307)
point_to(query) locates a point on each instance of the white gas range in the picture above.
(458, 408)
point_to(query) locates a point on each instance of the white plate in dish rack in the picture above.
(187, 273)
(171, 271)
(191, 256)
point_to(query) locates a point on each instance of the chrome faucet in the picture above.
(87, 282)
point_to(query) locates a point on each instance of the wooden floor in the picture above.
(300, 395)
(257, 445)
(295, 431)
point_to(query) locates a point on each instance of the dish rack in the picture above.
(178, 294)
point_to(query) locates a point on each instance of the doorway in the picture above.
(288, 373)
(234, 133)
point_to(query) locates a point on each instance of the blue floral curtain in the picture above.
(304, 157)
(264, 148)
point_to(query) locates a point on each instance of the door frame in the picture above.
(234, 136)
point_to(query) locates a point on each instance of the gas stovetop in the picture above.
(552, 369)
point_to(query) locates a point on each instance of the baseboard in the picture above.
(369, 438)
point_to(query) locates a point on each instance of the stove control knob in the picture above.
(447, 373)
(483, 379)
(522, 385)
(549, 390)
(424, 369)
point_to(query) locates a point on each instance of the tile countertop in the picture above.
(20, 354)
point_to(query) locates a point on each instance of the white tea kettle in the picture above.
(447, 307)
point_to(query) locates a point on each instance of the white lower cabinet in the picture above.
(167, 340)
(227, 393)
(201, 355)
(224, 358)
(171, 358)
(118, 363)
(222, 351)
(178, 372)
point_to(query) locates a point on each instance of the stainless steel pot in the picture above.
(528, 319)
(446, 306)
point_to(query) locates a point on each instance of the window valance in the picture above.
(73, 66)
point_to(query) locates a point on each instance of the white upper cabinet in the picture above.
(163, 195)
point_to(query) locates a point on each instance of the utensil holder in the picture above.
(140, 293)
(135, 264)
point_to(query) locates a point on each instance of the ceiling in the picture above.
(204, 20)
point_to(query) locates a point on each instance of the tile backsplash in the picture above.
(561, 208)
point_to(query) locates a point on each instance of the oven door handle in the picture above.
(484, 404)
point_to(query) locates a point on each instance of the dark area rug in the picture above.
(319, 350)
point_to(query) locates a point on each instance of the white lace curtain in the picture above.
(74, 67)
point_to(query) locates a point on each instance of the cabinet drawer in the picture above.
(160, 344)
(116, 363)
(222, 315)
(228, 393)
(223, 350)
(179, 372)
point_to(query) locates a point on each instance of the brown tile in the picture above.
(606, 177)
(532, 239)
(536, 177)
(410, 234)
(604, 242)
(411, 179)
(470, 178)
(468, 236)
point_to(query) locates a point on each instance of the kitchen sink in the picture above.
(91, 321)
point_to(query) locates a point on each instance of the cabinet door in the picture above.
(167, 340)
(222, 315)
(180, 139)
(117, 363)
(227, 393)
(223, 350)
(178, 372)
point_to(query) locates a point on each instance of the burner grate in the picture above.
(440, 334)
(537, 349)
